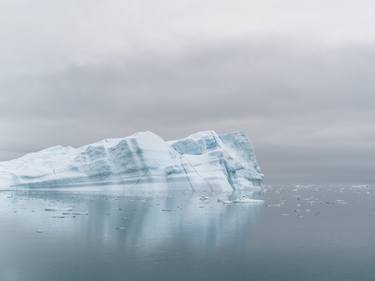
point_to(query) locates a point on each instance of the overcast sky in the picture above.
(297, 76)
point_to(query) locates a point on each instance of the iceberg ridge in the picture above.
(204, 160)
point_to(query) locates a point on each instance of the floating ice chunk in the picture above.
(242, 200)
(75, 213)
(274, 205)
(58, 210)
(340, 201)
(359, 186)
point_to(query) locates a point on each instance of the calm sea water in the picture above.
(298, 233)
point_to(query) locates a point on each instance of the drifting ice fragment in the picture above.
(359, 186)
(242, 200)
(340, 201)
(58, 210)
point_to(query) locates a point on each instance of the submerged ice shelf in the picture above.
(205, 160)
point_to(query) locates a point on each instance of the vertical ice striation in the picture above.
(226, 160)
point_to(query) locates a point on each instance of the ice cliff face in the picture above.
(205, 160)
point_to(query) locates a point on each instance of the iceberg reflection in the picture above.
(142, 221)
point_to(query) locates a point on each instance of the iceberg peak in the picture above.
(204, 160)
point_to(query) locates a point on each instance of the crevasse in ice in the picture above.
(205, 160)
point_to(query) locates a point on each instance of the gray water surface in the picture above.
(298, 233)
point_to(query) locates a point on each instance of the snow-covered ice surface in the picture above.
(203, 161)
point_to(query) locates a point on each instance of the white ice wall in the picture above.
(203, 160)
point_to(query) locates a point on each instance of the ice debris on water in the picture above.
(359, 186)
(58, 210)
(242, 201)
(76, 213)
(273, 205)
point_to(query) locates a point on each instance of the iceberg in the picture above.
(202, 161)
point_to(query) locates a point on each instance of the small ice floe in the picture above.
(167, 210)
(203, 198)
(339, 201)
(274, 205)
(75, 214)
(241, 201)
(360, 186)
(284, 215)
(121, 228)
(58, 210)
